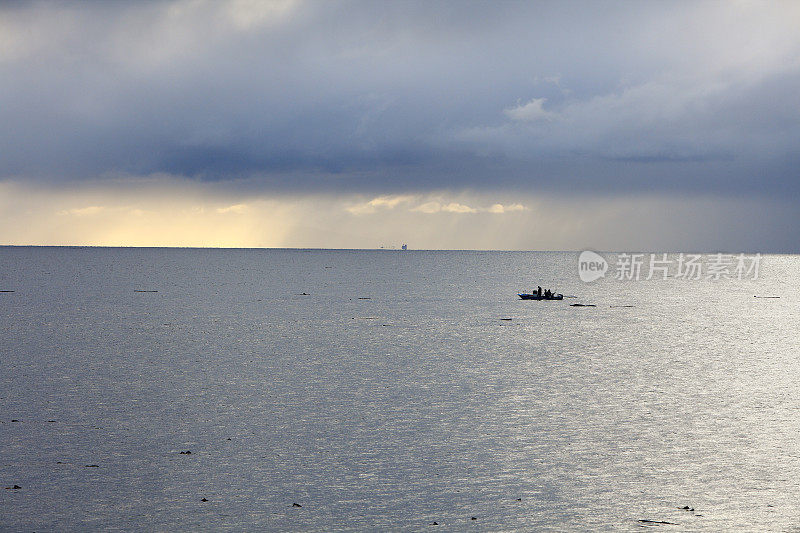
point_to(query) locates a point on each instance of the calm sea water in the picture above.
(392, 395)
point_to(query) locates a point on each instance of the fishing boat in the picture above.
(535, 296)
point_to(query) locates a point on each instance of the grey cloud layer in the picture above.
(406, 96)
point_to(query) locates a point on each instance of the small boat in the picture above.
(535, 296)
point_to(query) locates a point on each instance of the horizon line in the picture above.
(290, 248)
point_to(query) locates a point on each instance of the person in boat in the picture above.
(548, 294)
(539, 291)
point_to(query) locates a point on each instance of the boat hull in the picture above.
(525, 296)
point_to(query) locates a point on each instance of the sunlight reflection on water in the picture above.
(416, 405)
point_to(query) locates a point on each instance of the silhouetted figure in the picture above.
(539, 291)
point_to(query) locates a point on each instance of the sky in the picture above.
(445, 125)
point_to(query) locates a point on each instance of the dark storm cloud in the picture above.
(374, 96)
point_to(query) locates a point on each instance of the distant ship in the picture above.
(404, 247)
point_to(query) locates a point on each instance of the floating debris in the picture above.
(7, 291)
(143, 290)
(364, 298)
(645, 521)
(506, 319)
(620, 306)
(754, 296)
(203, 500)
(15, 487)
(582, 305)
(92, 466)
(296, 505)
(187, 452)
(303, 294)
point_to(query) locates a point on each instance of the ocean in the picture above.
(387, 390)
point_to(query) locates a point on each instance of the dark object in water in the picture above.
(203, 500)
(474, 518)
(187, 452)
(620, 306)
(15, 487)
(5, 291)
(296, 505)
(364, 298)
(434, 523)
(505, 319)
(754, 296)
(686, 508)
(143, 290)
(92, 466)
(645, 521)
(303, 294)
(526, 296)
(582, 305)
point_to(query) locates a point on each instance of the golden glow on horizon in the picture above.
(167, 211)
(129, 215)
(164, 211)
